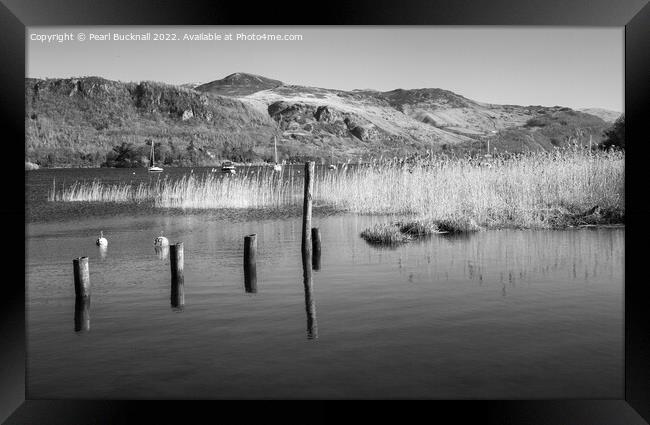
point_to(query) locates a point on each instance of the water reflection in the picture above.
(250, 263)
(415, 315)
(177, 297)
(381, 247)
(310, 303)
(103, 251)
(316, 248)
(162, 252)
(508, 257)
(250, 285)
(457, 237)
(82, 314)
(315, 261)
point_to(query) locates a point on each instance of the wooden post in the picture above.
(306, 210)
(250, 266)
(176, 261)
(306, 248)
(315, 243)
(81, 277)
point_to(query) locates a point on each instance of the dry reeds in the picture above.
(525, 190)
(96, 191)
(528, 190)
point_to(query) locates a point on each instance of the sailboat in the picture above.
(276, 167)
(153, 168)
(332, 166)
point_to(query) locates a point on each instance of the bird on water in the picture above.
(161, 240)
(101, 241)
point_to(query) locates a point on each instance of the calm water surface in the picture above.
(499, 314)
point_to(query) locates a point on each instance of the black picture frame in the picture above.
(15, 15)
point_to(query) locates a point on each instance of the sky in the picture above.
(578, 67)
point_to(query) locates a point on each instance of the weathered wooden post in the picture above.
(306, 248)
(82, 294)
(176, 261)
(250, 266)
(81, 277)
(306, 210)
(315, 244)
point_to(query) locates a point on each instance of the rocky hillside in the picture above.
(91, 121)
(85, 121)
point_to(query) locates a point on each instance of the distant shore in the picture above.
(32, 166)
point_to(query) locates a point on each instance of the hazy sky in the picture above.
(576, 67)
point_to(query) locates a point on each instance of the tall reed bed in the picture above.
(96, 191)
(252, 188)
(526, 190)
(263, 189)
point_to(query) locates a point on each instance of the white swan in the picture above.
(161, 240)
(101, 241)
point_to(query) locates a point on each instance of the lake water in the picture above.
(507, 314)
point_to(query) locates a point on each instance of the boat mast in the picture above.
(275, 140)
(275, 148)
(152, 156)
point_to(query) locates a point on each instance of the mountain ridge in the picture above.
(237, 117)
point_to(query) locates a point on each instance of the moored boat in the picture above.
(153, 168)
(228, 167)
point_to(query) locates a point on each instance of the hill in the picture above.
(238, 84)
(605, 114)
(91, 121)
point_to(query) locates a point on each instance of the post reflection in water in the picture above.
(310, 304)
(315, 239)
(177, 297)
(82, 314)
(250, 265)
(315, 260)
(162, 252)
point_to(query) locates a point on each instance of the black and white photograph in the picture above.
(324, 212)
